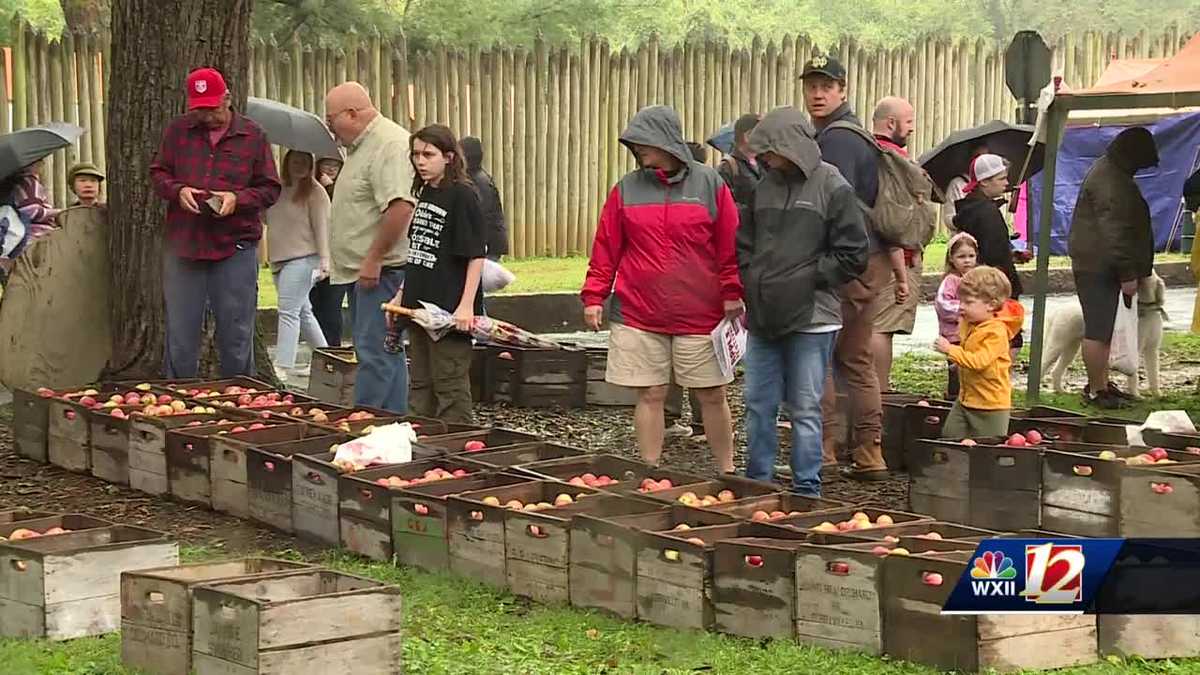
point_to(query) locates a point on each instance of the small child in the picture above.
(85, 179)
(989, 321)
(961, 253)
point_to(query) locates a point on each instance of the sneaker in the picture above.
(281, 374)
(1112, 390)
(677, 430)
(1105, 400)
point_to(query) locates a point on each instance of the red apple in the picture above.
(1017, 441)
(459, 473)
(1157, 453)
(577, 482)
(968, 442)
(923, 403)
(45, 393)
(839, 568)
(1033, 436)
(237, 430)
(133, 399)
(118, 413)
(195, 423)
(70, 415)
(245, 399)
(88, 401)
(164, 399)
(754, 560)
(474, 446)
(257, 425)
(932, 579)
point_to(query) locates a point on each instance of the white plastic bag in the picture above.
(1166, 421)
(1123, 354)
(13, 233)
(390, 444)
(729, 341)
(495, 276)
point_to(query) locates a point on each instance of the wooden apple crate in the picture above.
(23, 513)
(267, 493)
(1149, 636)
(675, 577)
(1162, 439)
(521, 455)
(602, 573)
(492, 439)
(30, 424)
(986, 485)
(148, 446)
(914, 628)
(109, 445)
(479, 392)
(1147, 512)
(230, 460)
(894, 436)
(1084, 495)
(743, 489)
(365, 507)
(68, 436)
(783, 501)
(189, 456)
(156, 609)
(203, 389)
(315, 495)
(69, 585)
(627, 472)
(536, 378)
(754, 585)
(839, 591)
(74, 522)
(333, 374)
(419, 517)
(308, 621)
(599, 390)
(537, 545)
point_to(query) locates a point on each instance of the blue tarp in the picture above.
(1178, 139)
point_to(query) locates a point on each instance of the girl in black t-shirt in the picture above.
(446, 249)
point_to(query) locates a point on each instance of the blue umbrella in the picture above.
(722, 140)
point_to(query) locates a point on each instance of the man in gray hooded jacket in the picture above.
(802, 236)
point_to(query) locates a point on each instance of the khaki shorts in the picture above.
(637, 358)
(893, 318)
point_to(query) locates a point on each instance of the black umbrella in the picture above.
(722, 139)
(1011, 141)
(22, 148)
(292, 127)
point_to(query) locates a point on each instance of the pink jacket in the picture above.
(946, 304)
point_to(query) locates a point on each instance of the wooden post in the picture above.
(549, 235)
(403, 108)
(575, 158)
(603, 136)
(526, 105)
(562, 178)
(510, 139)
(586, 166)
(381, 91)
(478, 99)
(756, 97)
(85, 69)
(445, 107)
(296, 73)
(98, 100)
(5, 119)
(689, 112)
(454, 91)
(70, 94)
(56, 162)
(20, 68)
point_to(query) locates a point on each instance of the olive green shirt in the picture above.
(376, 173)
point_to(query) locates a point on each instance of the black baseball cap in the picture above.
(824, 65)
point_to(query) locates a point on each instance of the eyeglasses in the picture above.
(330, 119)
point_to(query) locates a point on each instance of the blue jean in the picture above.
(293, 281)
(382, 379)
(790, 369)
(230, 288)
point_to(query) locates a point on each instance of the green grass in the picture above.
(459, 627)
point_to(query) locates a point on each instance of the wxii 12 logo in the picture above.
(1053, 574)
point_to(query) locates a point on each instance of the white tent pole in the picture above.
(1056, 122)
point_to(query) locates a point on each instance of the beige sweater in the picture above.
(296, 230)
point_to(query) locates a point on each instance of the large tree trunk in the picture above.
(155, 43)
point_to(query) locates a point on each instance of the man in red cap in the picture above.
(216, 171)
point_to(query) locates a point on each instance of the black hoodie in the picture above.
(489, 198)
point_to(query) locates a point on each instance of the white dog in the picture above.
(1064, 335)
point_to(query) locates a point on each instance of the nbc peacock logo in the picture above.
(993, 574)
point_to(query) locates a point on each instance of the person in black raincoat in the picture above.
(489, 198)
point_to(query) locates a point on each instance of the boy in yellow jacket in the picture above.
(989, 319)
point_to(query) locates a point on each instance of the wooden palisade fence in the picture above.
(549, 117)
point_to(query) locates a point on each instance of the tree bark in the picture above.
(155, 43)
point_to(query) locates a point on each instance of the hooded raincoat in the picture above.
(984, 359)
(667, 241)
(1111, 233)
(802, 236)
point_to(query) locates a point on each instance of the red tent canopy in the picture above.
(1175, 77)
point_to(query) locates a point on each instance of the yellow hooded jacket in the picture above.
(984, 360)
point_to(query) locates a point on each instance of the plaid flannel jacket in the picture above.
(241, 162)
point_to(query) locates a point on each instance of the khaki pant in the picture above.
(854, 367)
(440, 376)
(963, 422)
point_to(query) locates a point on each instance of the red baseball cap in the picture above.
(205, 88)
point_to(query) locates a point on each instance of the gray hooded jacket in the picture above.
(802, 236)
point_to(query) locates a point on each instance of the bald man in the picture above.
(895, 308)
(369, 235)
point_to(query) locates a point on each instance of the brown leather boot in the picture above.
(868, 463)
(829, 449)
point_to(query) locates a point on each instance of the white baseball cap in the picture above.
(987, 165)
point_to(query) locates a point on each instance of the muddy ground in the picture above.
(607, 430)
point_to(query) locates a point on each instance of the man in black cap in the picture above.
(857, 158)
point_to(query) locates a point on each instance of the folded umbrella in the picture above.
(438, 322)
(292, 127)
(22, 148)
(952, 156)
